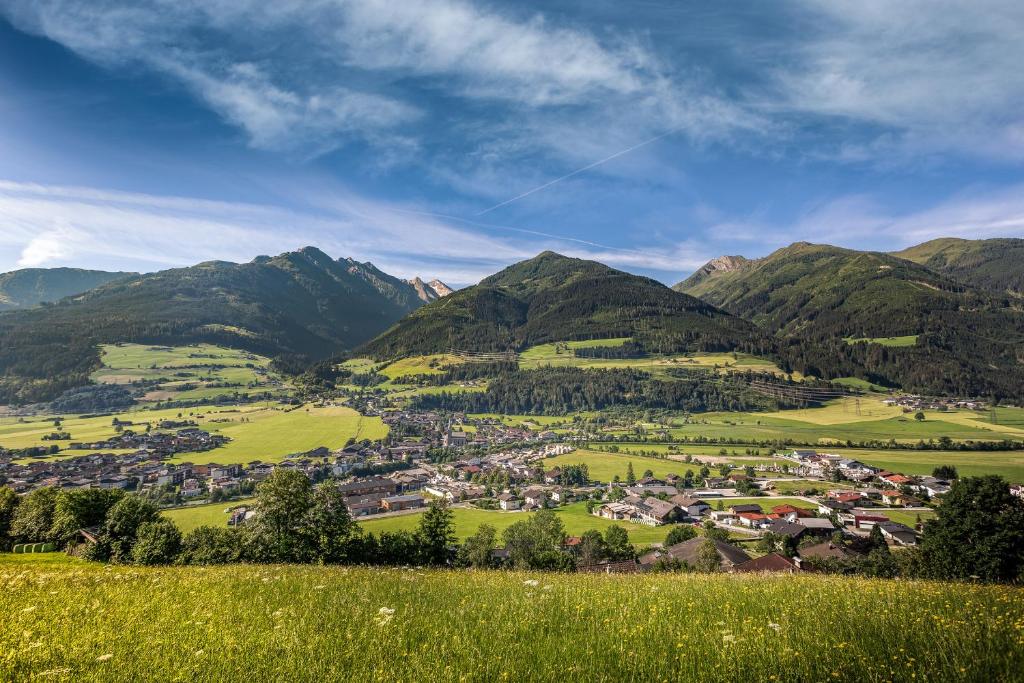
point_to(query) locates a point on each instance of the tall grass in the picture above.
(289, 623)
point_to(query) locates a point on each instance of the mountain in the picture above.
(711, 269)
(430, 291)
(996, 265)
(555, 298)
(814, 297)
(300, 305)
(440, 288)
(33, 286)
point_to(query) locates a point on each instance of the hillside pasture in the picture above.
(296, 623)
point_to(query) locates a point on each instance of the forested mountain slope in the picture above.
(554, 298)
(814, 297)
(298, 306)
(996, 265)
(30, 287)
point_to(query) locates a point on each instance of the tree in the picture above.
(81, 509)
(330, 525)
(630, 476)
(947, 472)
(919, 416)
(8, 505)
(707, 559)
(978, 531)
(33, 517)
(713, 532)
(121, 527)
(592, 548)
(680, 533)
(279, 531)
(436, 534)
(156, 543)
(617, 541)
(648, 474)
(207, 545)
(478, 549)
(535, 543)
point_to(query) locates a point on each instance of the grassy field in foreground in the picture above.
(210, 514)
(90, 623)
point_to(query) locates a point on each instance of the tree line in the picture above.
(978, 534)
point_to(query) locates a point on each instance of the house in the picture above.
(654, 512)
(781, 527)
(791, 513)
(535, 497)
(894, 498)
(824, 551)
(754, 520)
(552, 476)
(831, 507)
(687, 551)
(897, 533)
(508, 502)
(737, 509)
(818, 526)
(692, 507)
(615, 511)
(865, 521)
(897, 480)
(772, 562)
(404, 502)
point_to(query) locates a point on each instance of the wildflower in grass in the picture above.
(774, 627)
(105, 658)
(531, 582)
(384, 615)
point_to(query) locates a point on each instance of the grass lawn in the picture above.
(419, 365)
(766, 502)
(294, 623)
(210, 514)
(574, 516)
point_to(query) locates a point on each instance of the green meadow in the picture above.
(898, 342)
(573, 516)
(209, 514)
(188, 373)
(86, 622)
(265, 432)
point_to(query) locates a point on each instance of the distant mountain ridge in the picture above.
(555, 298)
(29, 287)
(296, 307)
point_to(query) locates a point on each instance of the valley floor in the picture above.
(75, 621)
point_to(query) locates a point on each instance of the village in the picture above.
(486, 465)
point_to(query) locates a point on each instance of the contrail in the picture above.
(578, 171)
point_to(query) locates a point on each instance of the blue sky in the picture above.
(453, 137)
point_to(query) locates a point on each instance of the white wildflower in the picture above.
(384, 615)
(531, 582)
(104, 658)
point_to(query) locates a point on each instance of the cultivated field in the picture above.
(86, 622)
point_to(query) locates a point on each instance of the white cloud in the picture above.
(944, 75)
(52, 225)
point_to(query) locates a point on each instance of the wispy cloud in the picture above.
(932, 76)
(51, 225)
